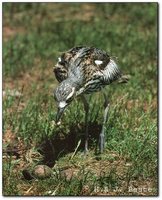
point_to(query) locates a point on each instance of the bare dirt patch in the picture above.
(9, 32)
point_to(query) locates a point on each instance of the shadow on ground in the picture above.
(59, 145)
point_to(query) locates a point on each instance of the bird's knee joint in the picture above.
(102, 135)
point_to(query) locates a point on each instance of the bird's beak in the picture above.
(59, 114)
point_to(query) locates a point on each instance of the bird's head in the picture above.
(64, 94)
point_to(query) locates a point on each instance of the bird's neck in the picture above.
(74, 82)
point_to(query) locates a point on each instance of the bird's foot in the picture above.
(53, 123)
(58, 123)
(86, 151)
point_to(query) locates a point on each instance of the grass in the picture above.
(34, 34)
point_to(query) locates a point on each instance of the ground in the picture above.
(34, 35)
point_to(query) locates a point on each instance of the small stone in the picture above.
(42, 171)
(67, 174)
(128, 164)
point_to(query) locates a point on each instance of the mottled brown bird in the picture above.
(84, 70)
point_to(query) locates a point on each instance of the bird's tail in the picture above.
(124, 78)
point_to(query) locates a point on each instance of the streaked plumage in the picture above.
(80, 62)
(82, 70)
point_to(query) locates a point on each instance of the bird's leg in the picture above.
(86, 109)
(102, 134)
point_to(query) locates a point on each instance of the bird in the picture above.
(80, 71)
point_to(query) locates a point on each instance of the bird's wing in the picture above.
(60, 72)
(89, 62)
(111, 72)
(97, 64)
(61, 69)
(98, 69)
